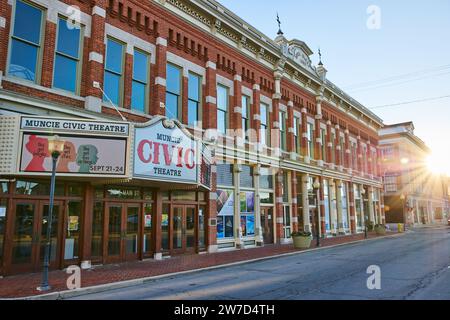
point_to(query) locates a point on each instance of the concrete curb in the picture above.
(135, 282)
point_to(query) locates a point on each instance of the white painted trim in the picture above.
(160, 81)
(131, 41)
(2, 22)
(247, 92)
(257, 117)
(290, 104)
(283, 107)
(238, 78)
(211, 65)
(187, 66)
(266, 100)
(211, 100)
(160, 41)
(298, 115)
(227, 83)
(95, 56)
(42, 88)
(99, 11)
(256, 87)
(238, 110)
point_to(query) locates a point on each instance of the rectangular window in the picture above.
(323, 138)
(245, 117)
(345, 219)
(247, 209)
(246, 177)
(225, 175)
(326, 198)
(296, 135)
(113, 71)
(26, 42)
(194, 94)
(139, 90)
(222, 109)
(173, 92)
(333, 147)
(310, 134)
(342, 151)
(266, 178)
(354, 157)
(67, 56)
(282, 118)
(364, 154)
(264, 134)
(225, 214)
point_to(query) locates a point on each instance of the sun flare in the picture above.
(438, 164)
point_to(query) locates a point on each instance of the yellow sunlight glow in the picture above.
(439, 163)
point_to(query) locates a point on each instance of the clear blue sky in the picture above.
(414, 36)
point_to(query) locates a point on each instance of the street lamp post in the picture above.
(316, 186)
(55, 148)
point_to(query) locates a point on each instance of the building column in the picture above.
(294, 203)
(371, 209)
(275, 126)
(48, 53)
(279, 206)
(318, 140)
(258, 227)
(211, 218)
(304, 135)
(305, 201)
(94, 66)
(321, 203)
(159, 87)
(333, 208)
(237, 169)
(157, 219)
(360, 167)
(418, 213)
(341, 229)
(351, 194)
(86, 253)
(255, 139)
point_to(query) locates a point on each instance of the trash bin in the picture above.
(401, 228)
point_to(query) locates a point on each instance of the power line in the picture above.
(409, 102)
(398, 83)
(398, 77)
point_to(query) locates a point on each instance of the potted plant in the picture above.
(380, 229)
(302, 239)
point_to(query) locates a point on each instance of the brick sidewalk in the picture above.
(25, 285)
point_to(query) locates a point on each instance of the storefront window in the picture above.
(201, 228)
(165, 228)
(3, 208)
(99, 193)
(75, 190)
(285, 187)
(311, 193)
(148, 228)
(266, 178)
(247, 205)
(344, 205)
(326, 195)
(124, 193)
(148, 194)
(201, 196)
(97, 230)
(225, 212)
(30, 188)
(3, 187)
(358, 206)
(71, 250)
(183, 196)
(266, 198)
(225, 175)
(246, 177)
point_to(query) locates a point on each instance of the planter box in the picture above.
(302, 242)
(381, 231)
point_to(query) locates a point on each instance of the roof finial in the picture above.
(320, 58)
(280, 33)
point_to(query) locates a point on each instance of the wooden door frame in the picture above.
(35, 265)
(106, 258)
(137, 255)
(269, 224)
(195, 248)
(181, 250)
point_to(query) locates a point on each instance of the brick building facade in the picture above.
(277, 127)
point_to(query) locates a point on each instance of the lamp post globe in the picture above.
(55, 148)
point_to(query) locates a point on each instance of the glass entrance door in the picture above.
(287, 221)
(122, 236)
(183, 230)
(30, 223)
(267, 224)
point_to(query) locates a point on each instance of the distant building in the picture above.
(412, 194)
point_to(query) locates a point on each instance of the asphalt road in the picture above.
(413, 266)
